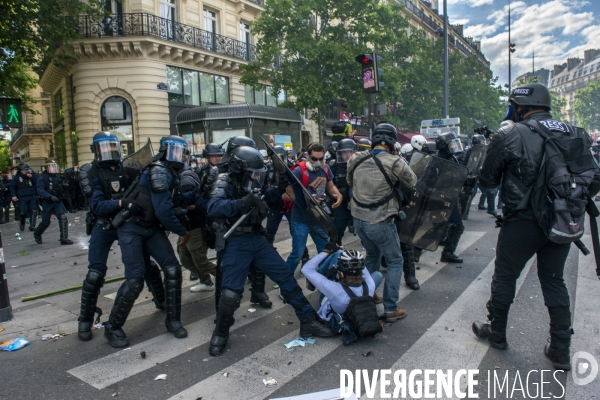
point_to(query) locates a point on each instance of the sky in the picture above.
(554, 29)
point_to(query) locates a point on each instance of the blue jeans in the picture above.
(300, 233)
(382, 240)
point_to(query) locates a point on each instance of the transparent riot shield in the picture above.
(474, 164)
(439, 183)
(315, 214)
(136, 162)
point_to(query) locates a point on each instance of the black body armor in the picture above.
(54, 184)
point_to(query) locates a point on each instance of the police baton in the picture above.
(5, 308)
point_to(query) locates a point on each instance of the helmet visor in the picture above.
(52, 168)
(254, 179)
(455, 146)
(342, 156)
(176, 151)
(107, 150)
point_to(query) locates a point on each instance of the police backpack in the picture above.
(362, 313)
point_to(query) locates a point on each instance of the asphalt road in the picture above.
(436, 334)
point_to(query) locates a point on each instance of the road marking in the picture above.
(244, 381)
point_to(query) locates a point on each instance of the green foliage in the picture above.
(31, 31)
(4, 155)
(587, 106)
(25, 253)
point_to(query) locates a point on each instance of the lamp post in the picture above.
(511, 49)
(446, 108)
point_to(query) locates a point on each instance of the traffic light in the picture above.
(10, 113)
(511, 47)
(370, 72)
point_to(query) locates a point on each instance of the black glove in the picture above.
(250, 200)
(132, 206)
(331, 273)
(283, 181)
(331, 248)
(54, 199)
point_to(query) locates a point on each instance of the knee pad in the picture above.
(63, 218)
(94, 278)
(172, 274)
(229, 301)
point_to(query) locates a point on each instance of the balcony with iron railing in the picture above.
(149, 25)
(29, 129)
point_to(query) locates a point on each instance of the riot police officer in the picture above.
(342, 217)
(104, 182)
(151, 210)
(23, 190)
(417, 142)
(364, 144)
(448, 146)
(280, 208)
(48, 185)
(212, 153)
(234, 193)
(514, 158)
(5, 199)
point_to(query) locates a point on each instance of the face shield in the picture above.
(177, 152)
(342, 156)
(254, 179)
(107, 150)
(52, 168)
(455, 146)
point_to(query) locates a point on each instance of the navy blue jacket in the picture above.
(225, 208)
(27, 192)
(103, 206)
(41, 187)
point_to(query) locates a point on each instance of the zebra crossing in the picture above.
(436, 335)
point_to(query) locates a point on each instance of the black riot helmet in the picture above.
(280, 151)
(248, 163)
(530, 96)
(333, 148)
(477, 139)
(212, 149)
(345, 150)
(351, 263)
(364, 144)
(106, 147)
(238, 141)
(23, 167)
(448, 143)
(174, 150)
(385, 134)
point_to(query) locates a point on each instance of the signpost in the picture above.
(10, 113)
(432, 128)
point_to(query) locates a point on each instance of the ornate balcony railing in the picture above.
(259, 2)
(143, 24)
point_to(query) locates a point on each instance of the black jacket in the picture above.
(516, 152)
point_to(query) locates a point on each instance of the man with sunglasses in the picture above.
(315, 176)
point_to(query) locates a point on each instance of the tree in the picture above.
(587, 106)
(4, 155)
(30, 33)
(307, 48)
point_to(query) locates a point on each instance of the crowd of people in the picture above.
(366, 187)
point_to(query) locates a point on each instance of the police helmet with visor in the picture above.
(364, 144)
(106, 147)
(248, 164)
(174, 150)
(23, 167)
(51, 167)
(477, 139)
(280, 152)
(346, 148)
(449, 144)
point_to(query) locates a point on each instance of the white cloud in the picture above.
(473, 3)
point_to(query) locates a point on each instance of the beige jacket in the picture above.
(369, 185)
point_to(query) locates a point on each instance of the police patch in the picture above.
(115, 185)
(554, 125)
(523, 92)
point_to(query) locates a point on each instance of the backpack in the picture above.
(559, 195)
(362, 312)
(304, 169)
(338, 127)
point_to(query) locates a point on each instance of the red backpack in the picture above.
(304, 169)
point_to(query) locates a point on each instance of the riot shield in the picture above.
(474, 164)
(315, 214)
(135, 162)
(439, 183)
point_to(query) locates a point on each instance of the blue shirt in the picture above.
(317, 185)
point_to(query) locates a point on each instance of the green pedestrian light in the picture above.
(10, 113)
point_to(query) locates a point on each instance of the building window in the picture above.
(168, 13)
(210, 26)
(59, 113)
(263, 97)
(196, 88)
(60, 149)
(246, 41)
(51, 148)
(74, 153)
(117, 118)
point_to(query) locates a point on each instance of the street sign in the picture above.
(432, 128)
(10, 113)
(439, 122)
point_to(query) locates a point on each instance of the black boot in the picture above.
(409, 266)
(305, 256)
(454, 234)
(495, 330)
(37, 234)
(558, 347)
(312, 327)
(128, 293)
(173, 291)
(218, 283)
(22, 218)
(6, 214)
(32, 220)
(92, 284)
(257, 288)
(155, 285)
(63, 223)
(417, 255)
(228, 303)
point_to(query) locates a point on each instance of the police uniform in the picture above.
(5, 194)
(104, 186)
(24, 189)
(342, 216)
(246, 247)
(48, 189)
